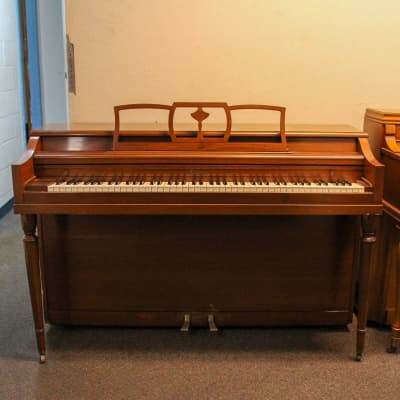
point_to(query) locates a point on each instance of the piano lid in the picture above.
(158, 129)
(231, 128)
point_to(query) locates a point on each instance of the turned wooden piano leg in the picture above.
(394, 343)
(34, 279)
(368, 238)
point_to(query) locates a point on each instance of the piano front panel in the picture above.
(229, 264)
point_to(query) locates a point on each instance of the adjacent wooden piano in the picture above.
(383, 127)
(244, 225)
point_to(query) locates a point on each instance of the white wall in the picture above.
(325, 60)
(11, 130)
(51, 38)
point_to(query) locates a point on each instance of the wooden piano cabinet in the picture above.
(383, 283)
(383, 127)
(285, 251)
(395, 256)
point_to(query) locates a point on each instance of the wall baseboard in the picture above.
(6, 208)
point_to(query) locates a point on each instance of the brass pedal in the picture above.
(211, 323)
(186, 323)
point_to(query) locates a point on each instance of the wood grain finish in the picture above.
(149, 259)
(34, 278)
(202, 263)
(395, 340)
(200, 139)
(383, 127)
(368, 236)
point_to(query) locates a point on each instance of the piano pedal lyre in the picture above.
(211, 323)
(186, 323)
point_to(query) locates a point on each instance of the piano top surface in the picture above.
(238, 129)
(391, 111)
(383, 115)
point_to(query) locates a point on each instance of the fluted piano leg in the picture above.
(35, 284)
(368, 238)
(394, 343)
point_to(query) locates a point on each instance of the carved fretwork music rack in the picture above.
(200, 139)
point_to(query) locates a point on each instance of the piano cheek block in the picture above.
(262, 219)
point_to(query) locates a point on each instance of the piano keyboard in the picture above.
(78, 185)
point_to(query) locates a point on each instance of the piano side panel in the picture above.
(147, 270)
(375, 131)
(382, 287)
(391, 193)
(382, 283)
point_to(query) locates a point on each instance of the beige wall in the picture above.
(326, 61)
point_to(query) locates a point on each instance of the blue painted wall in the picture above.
(21, 73)
(34, 66)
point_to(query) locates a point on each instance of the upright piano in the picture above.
(383, 127)
(208, 226)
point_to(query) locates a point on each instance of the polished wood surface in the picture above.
(203, 264)
(200, 259)
(34, 279)
(395, 340)
(383, 127)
